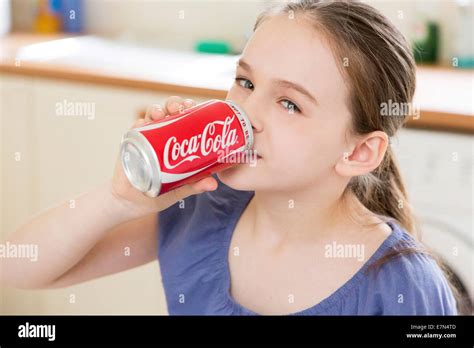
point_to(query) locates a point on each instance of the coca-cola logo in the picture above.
(175, 153)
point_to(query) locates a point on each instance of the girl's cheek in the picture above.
(285, 147)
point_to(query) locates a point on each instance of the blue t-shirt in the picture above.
(194, 241)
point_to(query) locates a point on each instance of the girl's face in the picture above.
(290, 86)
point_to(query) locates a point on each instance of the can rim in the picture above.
(136, 138)
(243, 115)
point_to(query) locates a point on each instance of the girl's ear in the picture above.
(366, 155)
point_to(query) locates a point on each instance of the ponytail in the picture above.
(383, 192)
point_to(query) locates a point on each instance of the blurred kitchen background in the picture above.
(74, 74)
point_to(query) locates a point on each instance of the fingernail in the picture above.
(173, 107)
(157, 108)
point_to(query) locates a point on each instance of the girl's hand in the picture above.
(141, 204)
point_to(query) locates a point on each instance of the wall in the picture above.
(180, 23)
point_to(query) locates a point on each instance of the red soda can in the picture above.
(171, 152)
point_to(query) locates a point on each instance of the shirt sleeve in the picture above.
(412, 284)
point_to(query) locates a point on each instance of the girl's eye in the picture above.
(290, 106)
(244, 83)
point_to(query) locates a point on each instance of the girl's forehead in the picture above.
(292, 49)
(290, 43)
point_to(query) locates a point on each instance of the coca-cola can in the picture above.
(183, 148)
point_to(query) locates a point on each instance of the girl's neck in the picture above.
(310, 215)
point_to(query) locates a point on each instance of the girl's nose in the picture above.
(254, 113)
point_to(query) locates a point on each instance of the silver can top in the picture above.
(136, 166)
(140, 163)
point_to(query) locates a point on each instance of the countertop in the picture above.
(445, 95)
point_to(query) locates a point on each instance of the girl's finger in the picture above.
(189, 103)
(154, 112)
(138, 123)
(170, 198)
(203, 185)
(157, 112)
(173, 105)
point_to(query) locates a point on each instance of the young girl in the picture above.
(321, 225)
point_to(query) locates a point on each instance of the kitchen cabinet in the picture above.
(16, 160)
(66, 137)
(437, 170)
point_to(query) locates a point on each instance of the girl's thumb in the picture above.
(170, 198)
(203, 185)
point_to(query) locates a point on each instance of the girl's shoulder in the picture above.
(410, 282)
